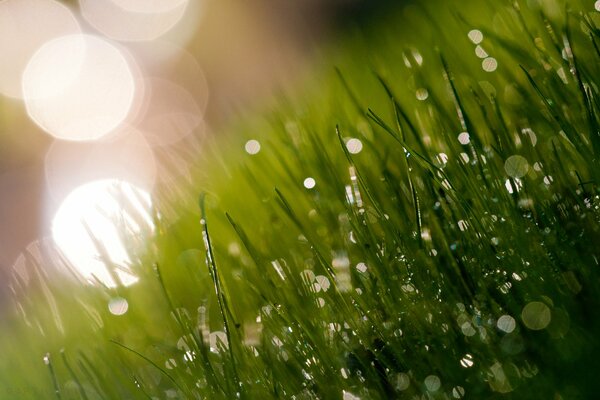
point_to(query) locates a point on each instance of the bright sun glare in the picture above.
(95, 225)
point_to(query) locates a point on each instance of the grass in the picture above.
(454, 256)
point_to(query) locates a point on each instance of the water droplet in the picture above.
(442, 159)
(309, 183)
(402, 381)
(354, 146)
(252, 146)
(458, 392)
(422, 94)
(490, 64)
(467, 329)
(322, 283)
(475, 36)
(118, 306)
(361, 267)
(432, 383)
(516, 166)
(480, 52)
(467, 361)
(536, 315)
(506, 323)
(464, 138)
(518, 185)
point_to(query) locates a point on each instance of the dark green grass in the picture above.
(420, 262)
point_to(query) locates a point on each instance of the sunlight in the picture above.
(97, 223)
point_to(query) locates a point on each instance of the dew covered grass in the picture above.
(420, 220)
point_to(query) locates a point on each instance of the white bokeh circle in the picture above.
(78, 87)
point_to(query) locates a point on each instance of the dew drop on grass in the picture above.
(464, 138)
(354, 146)
(458, 392)
(442, 159)
(480, 52)
(402, 381)
(310, 183)
(506, 323)
(467, 361)
(489, 64)
(422, 94)
(252, 146)
(361, 267)
(475, 36)
(322, 283)
(118, 306)
(518, 185)
(467, 329)
(433, 383)
(536, 315)
(516, 166)
(597, 5)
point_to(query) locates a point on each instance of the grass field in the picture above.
(420, 220)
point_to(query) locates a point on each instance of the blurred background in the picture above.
(93, 90)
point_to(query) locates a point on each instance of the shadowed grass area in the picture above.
(421, 221)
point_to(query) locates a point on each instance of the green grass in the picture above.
(420, 267)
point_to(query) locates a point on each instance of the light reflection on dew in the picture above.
(309, 183)
(518, 185)
(506, 323)
(252, 146)
(489, 64)
(361, 267)
(433, 383)
(118, 306)
(536, 315)
(458, 392)
(422, 94)
(321, 283)
(467, 361)
(480, 52)
(354, 146)
(442, 159)
(92, 216)
(516, 166)
(464, 138)
(402, 381)
(597, 5)
(475, 36)
(467, 329)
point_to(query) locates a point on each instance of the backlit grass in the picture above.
(420, 221)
